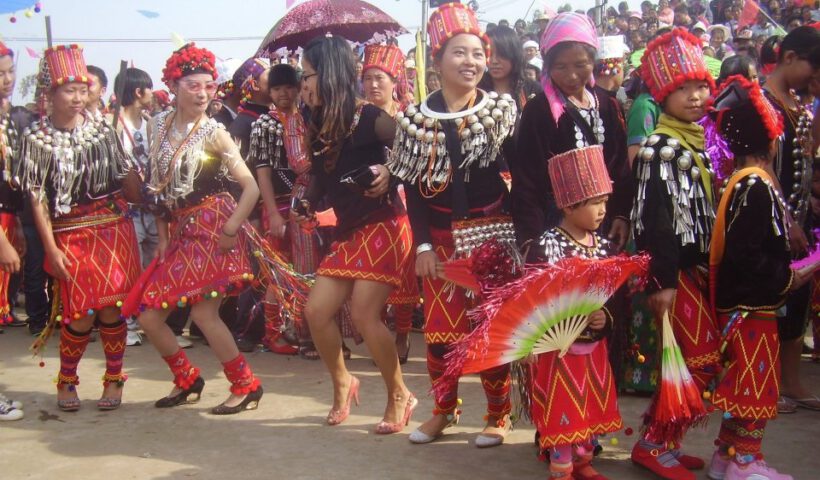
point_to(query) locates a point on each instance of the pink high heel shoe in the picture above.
(335, 417)
(386, 428)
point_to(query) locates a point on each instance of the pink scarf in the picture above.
(566, 27)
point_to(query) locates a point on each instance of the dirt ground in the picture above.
(286, 437)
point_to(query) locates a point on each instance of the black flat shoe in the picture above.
(182, 397)
(250, 402)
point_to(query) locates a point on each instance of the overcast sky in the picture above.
(114, 30)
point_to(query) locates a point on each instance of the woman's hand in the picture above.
(619, 233)
(162, 248)
(802, 276)
(380, 184)
(277, 224)
(797, 239)
(661, 302)
(227, 238)
(427, 265)
(9, 258)
(59, 264)
(596, 320)
(305, 222)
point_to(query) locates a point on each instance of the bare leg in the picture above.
(326, 298)
(160, 334)
(366, 306)
(790, 358)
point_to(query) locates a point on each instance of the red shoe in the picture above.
(272, 342)
(335, 417)
(386, 428)
(649, 460)
(689, 462)
(582, 468)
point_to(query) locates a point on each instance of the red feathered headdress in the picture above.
(745, 118)
(186, 61)
(671, 60)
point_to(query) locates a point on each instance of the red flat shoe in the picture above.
(280, 348)
(386, 428)
(335, 417)
(689, 462)
(649, 460)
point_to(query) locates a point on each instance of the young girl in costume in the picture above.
(672, 217)
(203, 233)
(568, 419)
(446, 153)
(751, 278)
(74, 166)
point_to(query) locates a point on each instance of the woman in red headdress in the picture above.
(446, 152)
(74, 166)
(385, 86)
(203, 233)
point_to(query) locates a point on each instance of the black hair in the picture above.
(282, 74)
(814, 57)
(735, 65)
(507, 45)
(99, 73)
(768, 51)
(135, 79)
(530, 66)
(336, 80)
(801, 41)
(559, 48)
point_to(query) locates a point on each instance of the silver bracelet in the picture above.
(424, 247)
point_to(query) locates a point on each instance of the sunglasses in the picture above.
(196, 87)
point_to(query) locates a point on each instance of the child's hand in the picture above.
(597, 320)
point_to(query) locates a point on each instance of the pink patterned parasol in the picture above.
(354, 20)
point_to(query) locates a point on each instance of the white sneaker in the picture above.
(12, 403)
(133, 338)
(184, 342)
(9, 413)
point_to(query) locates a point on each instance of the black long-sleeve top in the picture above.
(484, 190)
(538, 139)
(754, 273)
(364, 146)
(657, 217)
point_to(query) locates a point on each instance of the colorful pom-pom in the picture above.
(613, 441)
(707, 395)
(628, 431)
(641, 359)
(42, 364)
(164, 305)
(119, 303)
(731, 451)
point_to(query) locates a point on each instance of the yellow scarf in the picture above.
(691, 138)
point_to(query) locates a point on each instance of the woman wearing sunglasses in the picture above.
(201, 256)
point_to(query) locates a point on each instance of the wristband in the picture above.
(424, 247)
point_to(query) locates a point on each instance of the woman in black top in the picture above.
(347, 140)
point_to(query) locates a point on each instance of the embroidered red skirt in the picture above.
(408, 291)
(195, 268)
(377, 251)
(750, 388)
(692, 321)
(8, 222)
(101, 245)
(573, 398)
(445, 305)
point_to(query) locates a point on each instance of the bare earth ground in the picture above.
(286, 437)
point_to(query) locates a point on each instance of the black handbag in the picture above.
(360, 179)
